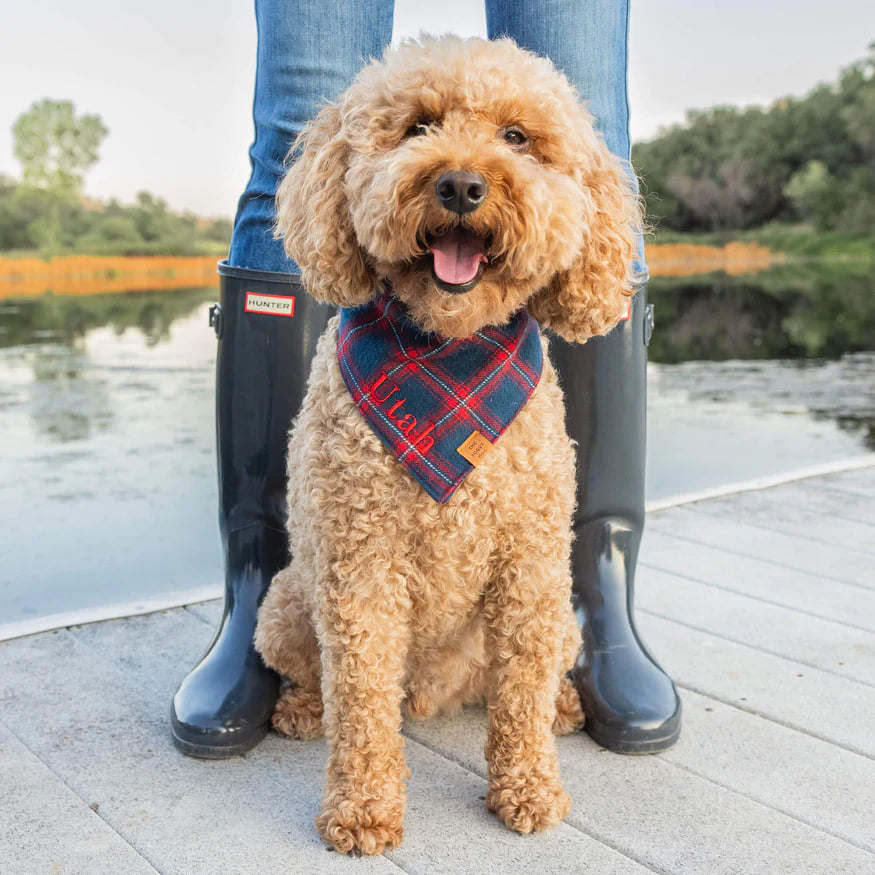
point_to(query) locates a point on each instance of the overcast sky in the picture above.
(172, 79)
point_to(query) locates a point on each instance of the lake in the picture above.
(107, 475)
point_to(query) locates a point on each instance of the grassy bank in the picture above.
(201, 249)
(96, 274)
(796, 241)
(779, 254)
(28, 275)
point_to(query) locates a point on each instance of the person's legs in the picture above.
(308, 52)
(631, 705)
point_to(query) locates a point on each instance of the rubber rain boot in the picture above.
(631, 704)
(267, 328)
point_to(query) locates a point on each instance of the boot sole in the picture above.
(218, 751)
(631, 746)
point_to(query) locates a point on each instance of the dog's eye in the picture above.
(515, 137)
(419, 129)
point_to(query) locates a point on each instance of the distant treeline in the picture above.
(809, 159)
(804, 160)
(147, 227)
(45, 210)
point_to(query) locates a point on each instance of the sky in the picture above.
(172, 79)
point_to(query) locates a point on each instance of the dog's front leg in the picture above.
(364, 629)
(525, 609)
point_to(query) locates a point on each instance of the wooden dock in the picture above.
(760, 604)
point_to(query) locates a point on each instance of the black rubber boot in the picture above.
(267, 329)
(631, 704)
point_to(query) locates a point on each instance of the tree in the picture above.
(55, 146)
(815, 193)
(858, 115)
(811, 157)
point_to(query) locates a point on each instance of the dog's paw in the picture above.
(528, 806)
(298, 714)
(365, 827)
(569, 713)
(420, 705)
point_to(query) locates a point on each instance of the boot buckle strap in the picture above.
(216, 319)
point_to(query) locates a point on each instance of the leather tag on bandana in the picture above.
(272, 305)
(474, 448)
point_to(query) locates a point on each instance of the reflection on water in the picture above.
(837, 394)
(797, 311)
(66, 403)
(756, 375)
(107, 479)
(64, 320)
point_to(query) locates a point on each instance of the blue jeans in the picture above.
(310, 50)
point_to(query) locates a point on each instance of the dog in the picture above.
(455, 197)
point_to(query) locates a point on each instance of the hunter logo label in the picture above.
(272, 305)
(627, 314)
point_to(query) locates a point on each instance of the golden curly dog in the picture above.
(392, 597)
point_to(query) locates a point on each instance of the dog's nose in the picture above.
(461, 191)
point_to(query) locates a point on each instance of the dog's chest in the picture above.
(352, 498)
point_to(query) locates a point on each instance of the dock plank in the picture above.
(809, 779)
(791, 551)
(859, 482)
(816, 642)
(834, 501)
(45, 827)
(797, 509)
(106, 734)
(821, 704)
(210, 612)
(447, 824)
(668, 818)
(793, 588)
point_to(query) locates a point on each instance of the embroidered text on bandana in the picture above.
(438, 404)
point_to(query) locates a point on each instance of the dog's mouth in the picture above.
(457, 259)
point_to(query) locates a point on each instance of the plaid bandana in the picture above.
(438, 404)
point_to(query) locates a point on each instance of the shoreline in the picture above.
(100, 274)
(104, 274)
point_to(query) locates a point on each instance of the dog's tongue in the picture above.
(457, 256)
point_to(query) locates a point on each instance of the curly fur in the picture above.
(392, 598)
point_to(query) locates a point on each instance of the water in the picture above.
(107, 476)
(107, 479)
(753, 376)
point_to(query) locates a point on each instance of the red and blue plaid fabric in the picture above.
(426, 396)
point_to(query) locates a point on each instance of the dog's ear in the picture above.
(313, 216)
(591, 296)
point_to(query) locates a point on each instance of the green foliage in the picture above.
(816, 194)
(17, 212)
(55, 146)
(799, 240)
(36, 219)
(45, 210)
(810, 158)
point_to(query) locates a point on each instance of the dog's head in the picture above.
(468, 174)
